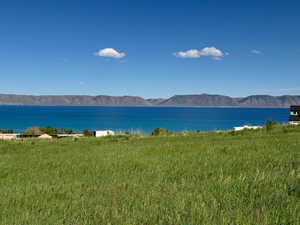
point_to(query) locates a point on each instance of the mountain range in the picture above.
(202, 100)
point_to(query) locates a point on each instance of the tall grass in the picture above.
(249, 177)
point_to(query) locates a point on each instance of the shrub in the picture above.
(46, 130)
(233, 133)
(66, 131)
(87, 133)
(270, 124)
(159, 131)
(33, 131)
(49, 130)
(285, 129)
(5, 131)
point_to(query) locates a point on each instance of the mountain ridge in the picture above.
(195, 100)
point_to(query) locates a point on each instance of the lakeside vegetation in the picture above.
(36, 131)
(248, 177)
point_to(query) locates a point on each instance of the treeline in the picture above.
(47, 130)
(36, 131)
(6, 131)
(39, 131)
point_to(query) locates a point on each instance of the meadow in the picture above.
(242, 178)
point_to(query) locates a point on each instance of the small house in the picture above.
(103, 133)
(9, 136)
(45, 136)
(69, 135)
(294, 117)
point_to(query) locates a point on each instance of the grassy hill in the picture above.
(249, 177)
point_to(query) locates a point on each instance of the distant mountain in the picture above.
(202, 100)
(269, 101)
(100, 100)
(205, 100)
(155, 101)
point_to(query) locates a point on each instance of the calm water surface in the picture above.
(138, 119)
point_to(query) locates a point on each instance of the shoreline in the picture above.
(158, 106)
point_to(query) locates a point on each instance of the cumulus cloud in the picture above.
(212, 52)
(257, 52)
(110, 53)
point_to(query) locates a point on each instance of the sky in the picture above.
(150, 48)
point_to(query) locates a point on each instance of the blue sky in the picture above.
(239, 48)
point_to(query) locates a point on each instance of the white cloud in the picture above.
(193, 53)
(213, 52)
(290, 89)
(110, 53)
(257, 52)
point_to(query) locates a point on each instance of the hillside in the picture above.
(202, 100)
(205, 100)
(156, 101)
(76, 100)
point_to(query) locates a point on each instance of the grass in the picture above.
(249, 177)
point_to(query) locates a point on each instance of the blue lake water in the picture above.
(137, 119)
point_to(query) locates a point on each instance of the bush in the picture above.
(33, 131)
(233, 133)
(270, 124)
(49, 130)
(87, 133)
(159, 131)
(46, 130)
(65, 131)
(4, 131)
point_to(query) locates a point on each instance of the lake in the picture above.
(136, 119)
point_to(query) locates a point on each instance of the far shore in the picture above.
(160, 106)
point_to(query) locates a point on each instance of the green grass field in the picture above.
(251, 177)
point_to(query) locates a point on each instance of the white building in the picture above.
(69, 135)
(294, 118)
(45, 136)
(9, 136)
(246, 127)
(102, 133)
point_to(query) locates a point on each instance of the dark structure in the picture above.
(294, 114)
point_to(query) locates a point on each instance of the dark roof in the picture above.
(295, 108)
(294, 118)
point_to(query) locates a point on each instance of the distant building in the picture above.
(246, 127)
(294, 114)
(102, 133)
(45, 136)
(69, 135)
(9, 136)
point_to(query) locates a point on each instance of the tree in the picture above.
(159, 131)
(66, 131)
(49, 130)
(270, 124)
(87, 133)
(6, 131)
(33, 131)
